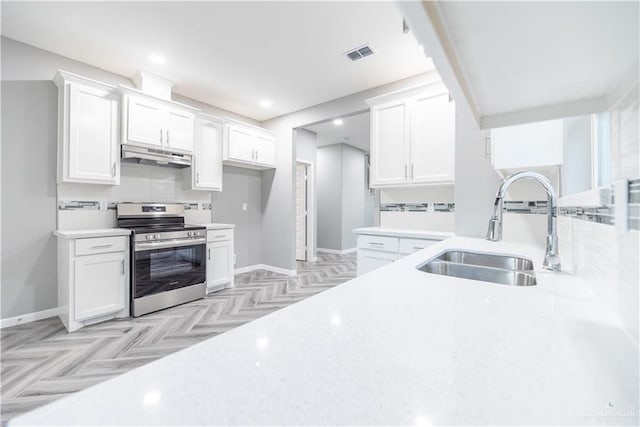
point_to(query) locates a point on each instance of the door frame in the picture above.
(311, 210)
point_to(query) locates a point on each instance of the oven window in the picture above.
(161, 270)
(170, 263)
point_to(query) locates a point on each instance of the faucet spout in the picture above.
(494, 233)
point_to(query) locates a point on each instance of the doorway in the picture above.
(302, 210)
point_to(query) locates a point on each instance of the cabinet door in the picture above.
(432, 139)
(219, 264)
(265, 146)
(240, 142)
(93, 135)
(99, 285)
(145, 121)
(389, 144)
(179, 132)
(368, 260)
(207, 156)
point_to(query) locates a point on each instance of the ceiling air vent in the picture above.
(359, 52)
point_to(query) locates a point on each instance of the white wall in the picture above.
(576, 155)
(476, 180)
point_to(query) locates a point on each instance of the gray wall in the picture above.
(29, 118)
(305, 145)
(353, 197)
(329, 188)
(278, 197)
(29, 272)
(341, 195)
(241, 186)
(369, 200)
(476, 180)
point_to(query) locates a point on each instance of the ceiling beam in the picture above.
(428, 27)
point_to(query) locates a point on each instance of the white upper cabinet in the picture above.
(248, 146)
(240, 144)
(389, 142)
(265, 146)
(433, 139)
(179, 133)
(206, 166)
(412, 137)
(528, 146)
(87, 131)
(144, 122)
(155, 123)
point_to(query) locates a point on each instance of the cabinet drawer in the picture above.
(380, 243)
(409, 246)
(219, 235)
(101, 245)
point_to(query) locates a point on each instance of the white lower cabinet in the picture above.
(377, 251)
(220, 259)
(100, 286)
(93, 279)
(369, 260)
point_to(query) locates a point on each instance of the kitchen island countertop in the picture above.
(393, 346)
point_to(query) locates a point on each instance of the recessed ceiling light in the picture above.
(421, 48)
(265, 103)
(157, 59)
(338, 122)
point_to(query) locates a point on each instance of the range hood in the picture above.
(152, 156)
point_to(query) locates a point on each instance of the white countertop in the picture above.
(412, 234)
(393, 346)
(101, 232)
(217, 226)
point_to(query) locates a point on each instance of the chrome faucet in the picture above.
(551, 256)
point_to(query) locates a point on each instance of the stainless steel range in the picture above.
(168, 257)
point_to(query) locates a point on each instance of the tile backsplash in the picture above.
(93, 206)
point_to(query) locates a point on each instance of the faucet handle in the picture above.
(494, 233)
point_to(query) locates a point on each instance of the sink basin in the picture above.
(501, 269)
(487, 260)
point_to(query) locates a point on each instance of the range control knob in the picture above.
(148, 237)
(157, 236)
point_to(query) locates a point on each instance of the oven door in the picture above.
(165, 266)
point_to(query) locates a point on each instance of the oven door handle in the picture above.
(145, 246)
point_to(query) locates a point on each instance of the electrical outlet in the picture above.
(244, 206)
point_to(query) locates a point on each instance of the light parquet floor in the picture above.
(41, 362)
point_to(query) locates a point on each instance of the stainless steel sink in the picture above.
(501, 269)
(487, 260)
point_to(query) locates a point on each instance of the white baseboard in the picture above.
(247, 269)
(278, 270)
(29, 317)
(337, 251)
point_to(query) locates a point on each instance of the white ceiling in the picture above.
(354, 131)
(230, 54)
(542, 57)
